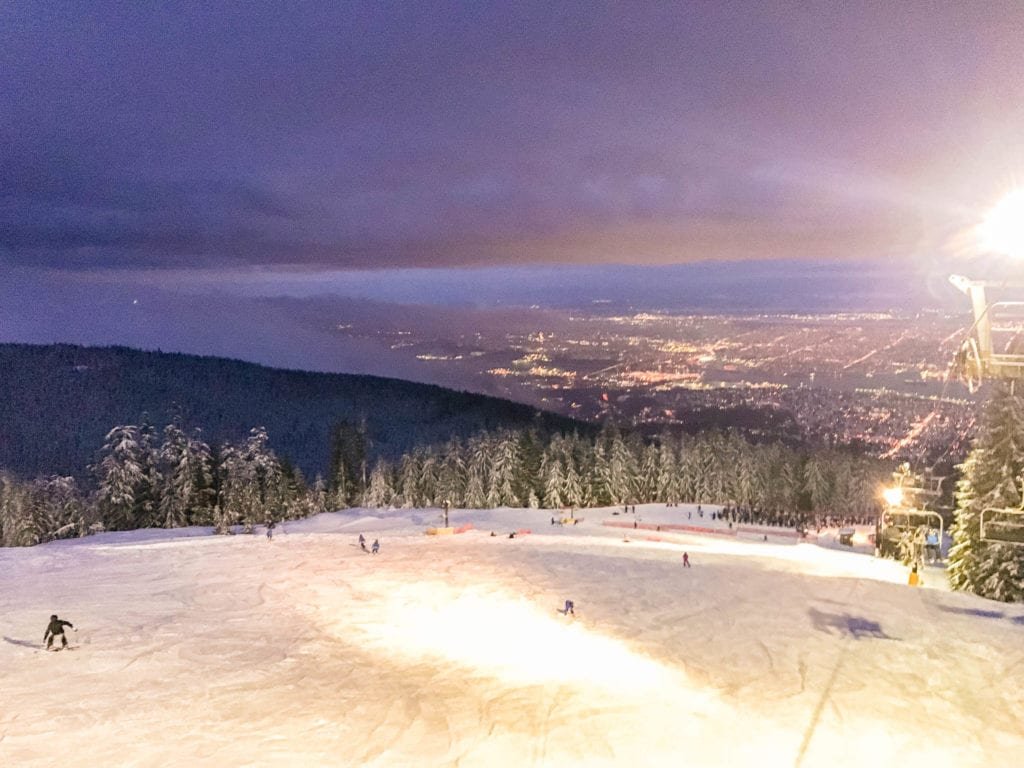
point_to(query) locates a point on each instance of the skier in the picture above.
(376, 547)
(569, 606)
(270, 529)
(914, 579)
(686, 559)
(362, 542)
(54, 628)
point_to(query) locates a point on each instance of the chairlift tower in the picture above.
(994, 346)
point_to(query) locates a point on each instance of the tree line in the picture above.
(172, 478)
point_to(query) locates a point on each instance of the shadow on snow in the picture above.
(856, 627)
(984, 613)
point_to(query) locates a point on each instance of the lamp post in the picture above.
(893, 498)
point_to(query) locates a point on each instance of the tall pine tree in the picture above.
(991, 477)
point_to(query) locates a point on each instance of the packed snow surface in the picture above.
(194, 649)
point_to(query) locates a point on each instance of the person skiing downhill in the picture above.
(569, 608)
(686, 559)
(54, 628)
(270, 529)
(376, 546)
(362, 542)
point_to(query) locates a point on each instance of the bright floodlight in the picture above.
(893, 496)
(1002, 231)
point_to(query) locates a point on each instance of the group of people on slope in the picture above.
(374, 548)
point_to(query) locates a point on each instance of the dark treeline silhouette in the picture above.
(57, 402)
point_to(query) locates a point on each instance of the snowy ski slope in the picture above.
(449, 650)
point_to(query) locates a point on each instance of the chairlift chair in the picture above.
(1002, 526)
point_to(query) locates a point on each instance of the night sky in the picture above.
(211, 142)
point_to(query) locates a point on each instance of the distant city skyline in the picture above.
(227, 179)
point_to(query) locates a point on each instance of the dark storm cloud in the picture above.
(375, 134)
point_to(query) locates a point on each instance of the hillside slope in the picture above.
(58, 401)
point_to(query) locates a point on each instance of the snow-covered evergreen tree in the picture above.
(120, 473)
(318, 496)
(59, 512)
(477, 473)
(16, 525)
(646, 484)
(790, 482)
(572, 490)
(451, 476)
(599, 476)
(621, 472)
(554, 483)
(504, 470)
(817, 484)
(147, 493)
(379, 491)
(251, 480)
(667, 481)
(409, 480)
(990, 478)
(430, 470)
(337, 497)
(178, 494)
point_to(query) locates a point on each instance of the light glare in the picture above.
(1002, 231)
(893, 496)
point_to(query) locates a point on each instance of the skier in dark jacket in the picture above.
(376, 546)
(54, 628)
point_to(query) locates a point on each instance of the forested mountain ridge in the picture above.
(57, 402)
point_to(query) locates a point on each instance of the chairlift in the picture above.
(893, 524)
(994, 346)
(918, 487)
(1002, 526)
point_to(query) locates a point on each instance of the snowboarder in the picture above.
(270, 529)
(569, 608)
(362, 542)
(54, 628)
(376, 546)
(686, 559)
